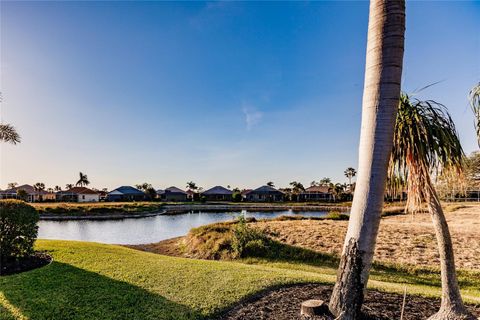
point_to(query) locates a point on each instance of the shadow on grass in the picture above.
(61, 291)
(280, 252)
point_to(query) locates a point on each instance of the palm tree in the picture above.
(8, 133)
(425, 143)
(325, 181)
(83, 181)
(68, 186)
(270, 184)
(474, 98)
(58, 188)
(12, 185)
(297, 188)
(383, 73)
(350, 173)
(39, 186)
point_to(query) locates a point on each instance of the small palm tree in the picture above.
(12, 185)
(8, 133)
(58, 188)
(39, 186)
(325, 181)
(474, 98)
(426, 143)
(83, 181)
(270, 184)
(350, 173)
(68, 186)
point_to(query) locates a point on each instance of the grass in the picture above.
(95, 209)
(96, 281)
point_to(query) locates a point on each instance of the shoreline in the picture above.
(183, 208)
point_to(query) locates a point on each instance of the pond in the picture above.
(148, 229)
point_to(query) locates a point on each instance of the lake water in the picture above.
(149, 229)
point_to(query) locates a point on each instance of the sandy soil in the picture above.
(405, 239)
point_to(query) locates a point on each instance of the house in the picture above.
(244, 194)
(316, 193)
(78, 194)
(126, 193)
(265, 194)
(173, 194)
(218, 193)
(31, 194)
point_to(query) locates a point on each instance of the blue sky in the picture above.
(229, 93)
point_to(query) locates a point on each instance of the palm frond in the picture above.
(8, 133)
(425, 143)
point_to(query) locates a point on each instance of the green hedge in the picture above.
(18, 229)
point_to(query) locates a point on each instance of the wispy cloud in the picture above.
(252, 116)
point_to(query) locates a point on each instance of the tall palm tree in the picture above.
(425, 143)
(350, 173)
(12, 185)
(474, 98)
(8, 133)
(381, 93)
(83, 181)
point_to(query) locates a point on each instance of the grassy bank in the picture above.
(96, 209)
(95, 281)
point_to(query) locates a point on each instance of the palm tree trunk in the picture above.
(452, 307)
(383, 72)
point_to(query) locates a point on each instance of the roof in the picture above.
(28, 189)
(218, 190)
(79, 190)
(317, 189)
(244, 192)
(126, 190)
(266, 190)
(174, 190)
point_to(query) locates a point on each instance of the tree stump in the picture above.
(313, 308)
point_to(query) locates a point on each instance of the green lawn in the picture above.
(95, 281)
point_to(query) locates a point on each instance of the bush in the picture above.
(335, 215)
(248, 241)
(18, 229)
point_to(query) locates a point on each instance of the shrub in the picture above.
(18, 229)
(248, 241)
(335, 215)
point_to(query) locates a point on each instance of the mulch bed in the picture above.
(284, 304)
(39, 259)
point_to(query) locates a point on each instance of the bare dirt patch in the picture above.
(284, 304)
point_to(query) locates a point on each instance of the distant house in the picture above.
(173, 194)
(316, 193)
(32, 194)
(244, 194)
(78, 194)
(265, 194)
(126, 193)
(218, 193)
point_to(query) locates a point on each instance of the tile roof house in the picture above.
(218, 193)
(78, 194)
(265, 194)
(173, 194)
(33, 195)
(316, 193)
(126, 193)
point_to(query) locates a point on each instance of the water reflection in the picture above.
(149, 229)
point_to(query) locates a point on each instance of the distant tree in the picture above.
(58, 188)
(50, 190)
(270, 184)
(22, 194)
(297, 188)
(68, 186)
(474, 98)
(350, 173)
(12, 185)
(144, 186)
(192, 186)
(8, 133)
(325, 181)
(105, 190)
(39, 186)
(83, 181)
(314, 183)
(236, 189)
